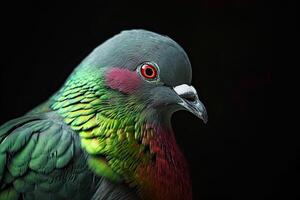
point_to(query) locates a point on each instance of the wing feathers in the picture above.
(32, 150)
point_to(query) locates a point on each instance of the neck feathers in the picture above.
(124, 145)
(167, 176)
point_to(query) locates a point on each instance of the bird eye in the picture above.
(149, 71)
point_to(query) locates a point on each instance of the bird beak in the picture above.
(190, 101)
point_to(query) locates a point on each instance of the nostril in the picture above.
(188, 93)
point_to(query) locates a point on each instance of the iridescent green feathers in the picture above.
(33, 150)
(109, 124)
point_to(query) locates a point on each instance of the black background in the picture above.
(238, 154)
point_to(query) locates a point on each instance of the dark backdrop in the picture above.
(237, 154)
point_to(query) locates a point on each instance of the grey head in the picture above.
(131, 49)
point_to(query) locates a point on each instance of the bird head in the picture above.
(151, 69)
(120, 100)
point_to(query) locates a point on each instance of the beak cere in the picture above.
(190, 101)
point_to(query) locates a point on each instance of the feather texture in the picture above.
(36, 155)
(123, 145)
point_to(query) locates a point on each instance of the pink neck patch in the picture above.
(124, 80)
(168, 177)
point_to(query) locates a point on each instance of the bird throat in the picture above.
(166, 176)
(152, 162)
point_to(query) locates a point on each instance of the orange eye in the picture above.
(148, 71)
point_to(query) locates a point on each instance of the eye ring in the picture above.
(149, 71)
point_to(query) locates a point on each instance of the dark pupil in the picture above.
(149, 72)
